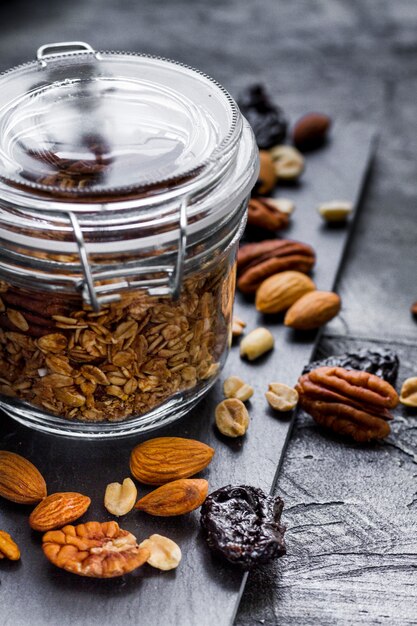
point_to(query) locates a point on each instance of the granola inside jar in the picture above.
(123, 190)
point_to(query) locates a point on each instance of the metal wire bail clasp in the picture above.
(63, 47)
(103, 286)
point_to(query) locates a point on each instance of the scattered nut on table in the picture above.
(278, 292)
(232, 417)
(288, 162)
(8, 547)
(264, 213)
(408, 394)
(311, 131)
(119, 499)
(336, 211)
(165, 554)
(256, 343)
(238, 326)
(281, 397)
(285, 205)
(235, 387)
(267, 178)
(313, 310)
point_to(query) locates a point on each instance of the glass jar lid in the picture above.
(76, 123)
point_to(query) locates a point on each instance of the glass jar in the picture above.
(124, 182)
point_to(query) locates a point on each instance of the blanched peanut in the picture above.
(165, 553)
(408, 395)
(232, 418)
(119, 499)
(234, 387)
(336, 211)
(256, 343)
(281, 397)
(288, 162)
(237, 327)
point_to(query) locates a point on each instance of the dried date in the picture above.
(379, 361)
(267, 120)
(242, 524)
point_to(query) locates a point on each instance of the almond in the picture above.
(313, 310)
(57, 510)
(278, 292)
(267, 178)
(311, 131)
(163, 459)
(20, 481)
(175, 498)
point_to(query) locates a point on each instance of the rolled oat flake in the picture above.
(124, 181)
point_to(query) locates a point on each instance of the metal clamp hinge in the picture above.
(96, 289)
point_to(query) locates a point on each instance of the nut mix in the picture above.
(8, 548)
(123, 361)
(98, 550)
(235, 387)
(349, 402)
(313, 310)
(265, 213)
(232, 417)
(175, 498)
(119, 499)
(258, 261)
(256, 343)
(57, 510)
(165, 554)
(278, 292)
(20, 481)
(164, 459)
(281, 397)
(408, 394)
(243, 525)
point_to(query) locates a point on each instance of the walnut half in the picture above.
(98, 550)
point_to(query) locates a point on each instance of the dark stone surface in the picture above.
(350, 511)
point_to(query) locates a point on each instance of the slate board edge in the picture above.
(362, 189)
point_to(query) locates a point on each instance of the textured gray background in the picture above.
(351, 512)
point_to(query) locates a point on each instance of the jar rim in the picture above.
(196, 176)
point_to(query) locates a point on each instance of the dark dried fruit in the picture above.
(242, 524)
(267, 120)
(379, 361)
(413, 309)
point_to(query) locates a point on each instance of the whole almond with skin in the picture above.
(57, 510)
(313, 310)
(20, 481)
(278, 292)
(163, 459)
(175, 498)
(311, 131)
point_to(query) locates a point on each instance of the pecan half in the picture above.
(257, 261)
(349, 402)
(98, 550)
(264, 213)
